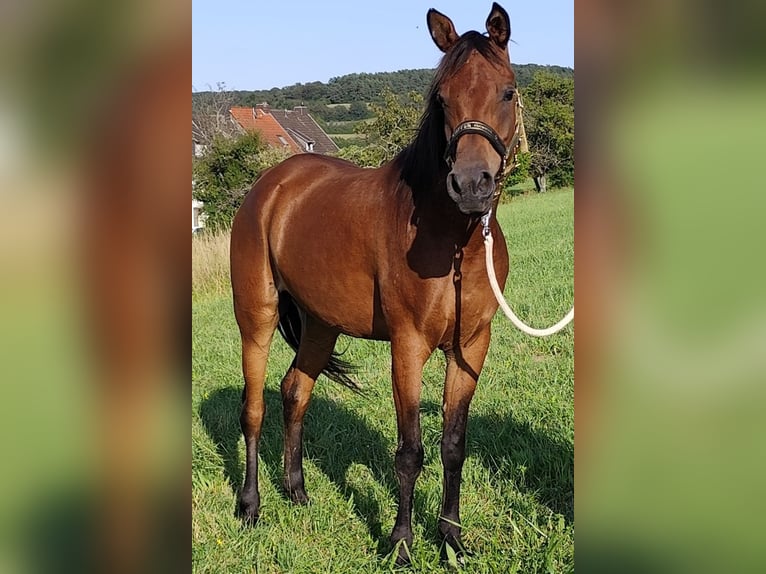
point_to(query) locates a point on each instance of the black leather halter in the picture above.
(482, 129)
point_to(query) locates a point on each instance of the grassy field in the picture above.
(517, 501)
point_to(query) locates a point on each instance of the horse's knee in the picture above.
(409, 459)
(251, 418)
(293, 400)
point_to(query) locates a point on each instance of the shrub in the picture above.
(518, 174)
(227, 171)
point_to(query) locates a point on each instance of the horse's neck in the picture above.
(424, 203)
(436, 214)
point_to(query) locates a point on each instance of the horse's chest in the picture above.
(459, 302)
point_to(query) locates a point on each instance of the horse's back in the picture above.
(285, 180)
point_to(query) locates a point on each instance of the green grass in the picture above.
(517, 497)
(526, 186)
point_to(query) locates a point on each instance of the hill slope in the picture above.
(363, 88)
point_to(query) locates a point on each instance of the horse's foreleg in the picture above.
(463, 368)
(408, 357)
(316, 346)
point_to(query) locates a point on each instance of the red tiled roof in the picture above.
(253, 119)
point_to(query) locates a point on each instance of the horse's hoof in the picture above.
(403, 556)
(298, 497)
(459, 552)
(248, 512)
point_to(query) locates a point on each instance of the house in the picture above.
(258, 120)
(198, 217)
(247, 120)
(303, 129)
(293, 129)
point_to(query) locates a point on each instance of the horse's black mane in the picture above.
(422, 160)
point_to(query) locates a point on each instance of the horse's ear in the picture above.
(499, 25)
(442, 30)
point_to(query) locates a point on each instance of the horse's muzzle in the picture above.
(471, 189)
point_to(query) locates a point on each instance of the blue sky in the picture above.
(251, 45)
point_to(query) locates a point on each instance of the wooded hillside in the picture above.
(357, 90)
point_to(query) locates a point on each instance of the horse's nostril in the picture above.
(453, 181)
(485, 182)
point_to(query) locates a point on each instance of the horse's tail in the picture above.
(337, 369)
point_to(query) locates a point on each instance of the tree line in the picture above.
(359, 90)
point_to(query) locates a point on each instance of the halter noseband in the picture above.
(486, 131)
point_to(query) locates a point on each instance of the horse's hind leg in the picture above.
(257, 330)
(255, 348)
(316, 346)
(256, 310)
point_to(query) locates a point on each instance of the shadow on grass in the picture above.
(220, 417)
(505, 446)
(336, 438)
(536, 462)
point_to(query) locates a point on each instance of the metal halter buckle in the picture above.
(485, 223)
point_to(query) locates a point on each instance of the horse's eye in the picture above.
(508, 95)
(440, 100)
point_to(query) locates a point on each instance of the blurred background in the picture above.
(94, 324)
(94, 327)
(671, 332)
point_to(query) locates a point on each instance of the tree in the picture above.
(549, 122)
(227, 171)
(392, 129)
(518, 174)
(210, 115)
(359, 111)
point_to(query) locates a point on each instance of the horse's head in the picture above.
(475, 88)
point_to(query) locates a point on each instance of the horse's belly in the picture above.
(345, 300)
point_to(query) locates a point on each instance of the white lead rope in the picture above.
(488, 244)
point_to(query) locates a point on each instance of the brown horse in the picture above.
(322, 247)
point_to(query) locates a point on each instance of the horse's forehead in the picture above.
(477, 68)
